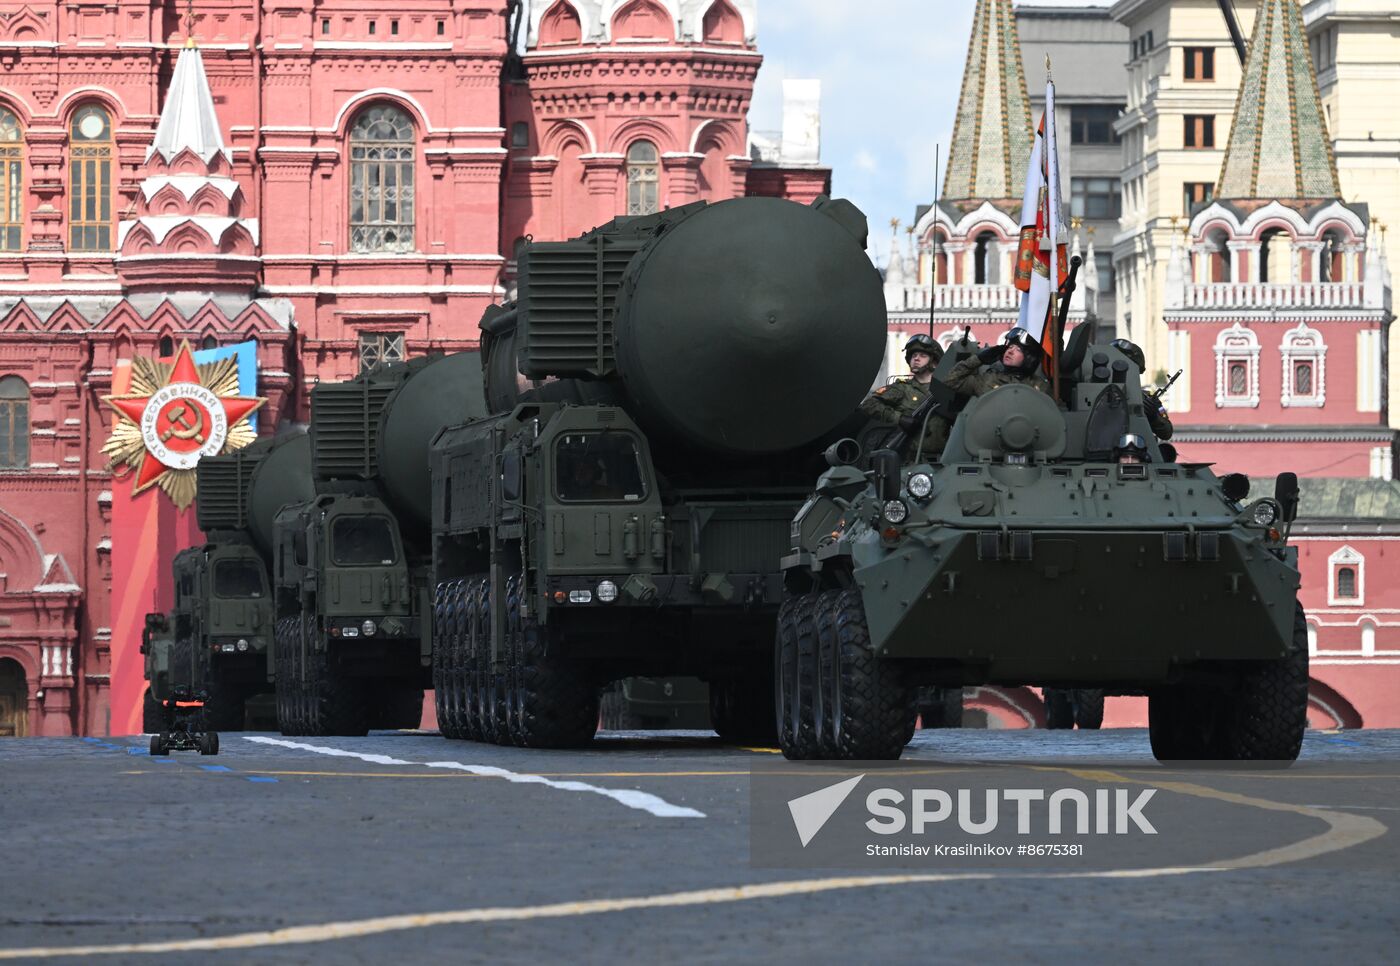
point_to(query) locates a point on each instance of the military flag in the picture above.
(1038, 260)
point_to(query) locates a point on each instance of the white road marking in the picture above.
(631, 797)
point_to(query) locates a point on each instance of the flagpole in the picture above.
(933, 266)
(1052, 185)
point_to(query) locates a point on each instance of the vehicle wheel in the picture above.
(159, 748)
(1059, 709)
(940, 707)
(440, 633)
(785, 670)
(828, 675)
(1183, 721)
(485, 677)
(1088, 708)
(152, 714)
(872, 710)
(1269, 714)
(336, 702)
(473, 641)
(555, 700)
(514, 683)
(615, 714)
(797, 680)
(284, 682)
(213, 737)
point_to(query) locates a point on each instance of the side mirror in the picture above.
(843, 452)
(886, 465)
(1235, 486)
(510, 474)
(1286, 493)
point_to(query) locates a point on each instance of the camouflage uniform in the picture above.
(1157, 416)
(972, 378)
(900, 398)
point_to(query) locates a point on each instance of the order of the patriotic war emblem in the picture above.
(174, 415)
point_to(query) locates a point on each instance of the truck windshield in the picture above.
(598, 468)
(362, 542)
(238, 579)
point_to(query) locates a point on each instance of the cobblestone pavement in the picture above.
(406, 847)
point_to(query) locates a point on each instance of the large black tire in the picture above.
(474, 629)
(152, 714)
(334, 702)
(872, 709)
(286, 685)
(1088, 709)
(553, 702)
(1059, 709)
(1261, 720)
(940, 707)
(616, 714)
(440, 667)
(159, 747)
(796, 678)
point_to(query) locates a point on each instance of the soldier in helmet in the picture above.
(1016, 359)
(1152, 406)
(894, 404)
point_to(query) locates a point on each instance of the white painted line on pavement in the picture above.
(631, 797)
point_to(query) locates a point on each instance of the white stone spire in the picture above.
(188, 119)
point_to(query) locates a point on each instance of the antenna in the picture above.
(933, 262)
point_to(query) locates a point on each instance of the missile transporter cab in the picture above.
(1055, 545)
(659, 383)
(217, 639)
(351, 569)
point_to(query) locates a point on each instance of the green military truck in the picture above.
(1056, 545)
(218, 637)
(661, 384)
(352, 563)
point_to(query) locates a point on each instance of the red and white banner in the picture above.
(1037, 260)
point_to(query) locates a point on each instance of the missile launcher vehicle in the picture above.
(1055, 545)
(352, 562)
(661, 385)
(217, 639)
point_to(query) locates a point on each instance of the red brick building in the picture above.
(340, 182)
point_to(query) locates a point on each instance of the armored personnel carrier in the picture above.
(353, 595)
(1053, 545)
(217, 639)
(661, 384)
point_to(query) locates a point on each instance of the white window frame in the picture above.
(1304, 344)
(1346, 556)
(1236, 344)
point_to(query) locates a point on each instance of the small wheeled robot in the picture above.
(184, 725)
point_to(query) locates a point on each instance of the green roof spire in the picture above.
(992, 132)
(1279, 148)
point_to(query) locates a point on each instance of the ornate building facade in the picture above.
(338, 183)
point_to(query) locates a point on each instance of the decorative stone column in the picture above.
(682, 178)
(602, 179)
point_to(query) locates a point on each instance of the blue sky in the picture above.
(890, 73)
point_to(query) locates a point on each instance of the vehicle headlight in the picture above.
(350, 632)
(607, 591)
(242, 644)
(920, 486)
(226, 648)
(369, 627)
(1265, 512)
(896, 511)
(580, 596)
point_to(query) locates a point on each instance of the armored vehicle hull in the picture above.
(1036, 552)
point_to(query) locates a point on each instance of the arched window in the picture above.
(1347, 586)
(1236, 367)
(209, 342)
(984, 260)
(166, 347)
(90, 180)
(1304, 367)
(381, 181)
(1329, 259)
(1219, 255)
(520, 135)
(14, 423)
(1275, 256)
(11, 181)
(643, 179)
